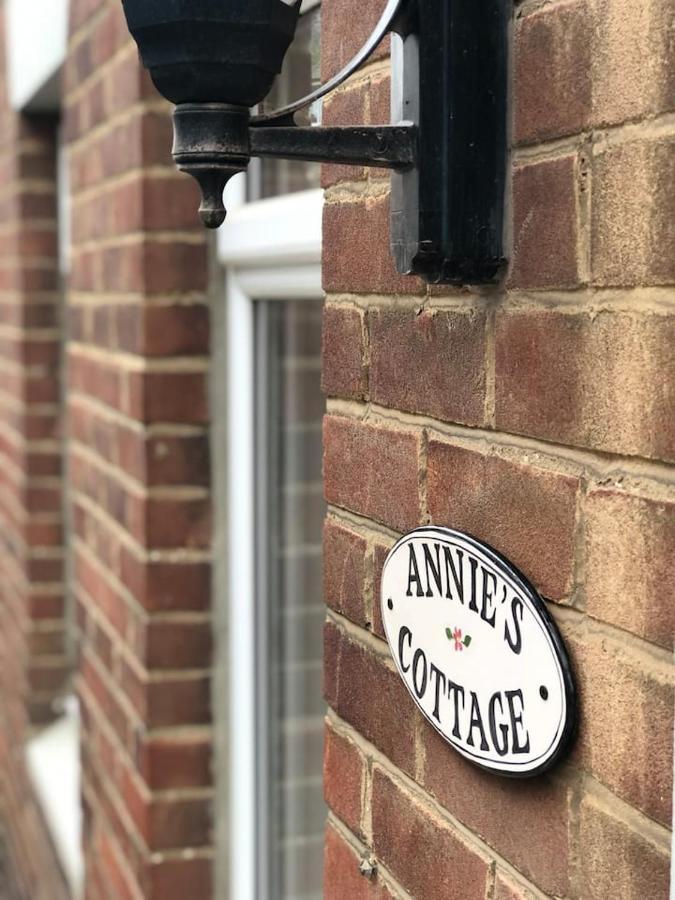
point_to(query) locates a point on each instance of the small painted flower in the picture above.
(456, 636)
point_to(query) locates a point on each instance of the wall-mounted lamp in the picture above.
(446, 146)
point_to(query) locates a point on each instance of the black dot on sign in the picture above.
(390, 603)
(543, 692)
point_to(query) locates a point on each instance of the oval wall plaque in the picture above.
(478, 651)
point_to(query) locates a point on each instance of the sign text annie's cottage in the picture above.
(478, 651)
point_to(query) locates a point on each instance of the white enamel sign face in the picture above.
(478, 651)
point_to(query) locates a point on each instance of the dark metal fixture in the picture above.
(446, 146)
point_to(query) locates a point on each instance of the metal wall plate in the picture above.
(450, 78)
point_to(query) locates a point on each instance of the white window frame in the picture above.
(271, 250)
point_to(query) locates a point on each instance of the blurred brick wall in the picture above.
(33, 664)
(540, 416)
(139, 469)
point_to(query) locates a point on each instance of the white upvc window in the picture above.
(267, 397)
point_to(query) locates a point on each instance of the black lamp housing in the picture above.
(446, 146)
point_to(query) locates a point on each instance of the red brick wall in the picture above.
(537, 415)
(33, 664)
(139, 470)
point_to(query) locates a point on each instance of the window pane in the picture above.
(290, 512)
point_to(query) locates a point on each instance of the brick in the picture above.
(380, 553)
(592, 380)
(626, 727)
(174, 644)
(387, 721)
(545, 225)
(343, 778)
(430, 362)
(175, 267)
(506, 888)
(116, 872)
(423, 853)
(632, 200)
(178, 523)
(179, 397)
(366, 103)
(167, 587)
(342, 877)
(344, 573)
(629, 548)
(632, 60)
(516, 818)
(175, 823)
(176, 879)
(172, 763)
(179, 700)
(364, 264)
(372, 471)
(178, 460)
(619, 860)
(181, 330)
(344, 371)
(339, 44)
(485, 494)
(345, 107)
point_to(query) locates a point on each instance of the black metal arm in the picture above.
(386, 146)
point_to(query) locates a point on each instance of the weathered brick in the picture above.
(343, 778)
(485, 495)
(552, 80)
(626, 726)
(344, 371)
(632, 68)
(388, 721)
(372, 471)
(423, 853)
(344, 560)
(507, 888)
(339, 43)
(592, 380)
(380, 553)
(517, 818)
(429, 362)
(342, 877)
(364, 264)
(630, 546)
(619, 860)
(545, 225)
(633, 214)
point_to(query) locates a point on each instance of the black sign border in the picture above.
(503, 564)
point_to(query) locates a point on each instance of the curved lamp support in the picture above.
(387, 22)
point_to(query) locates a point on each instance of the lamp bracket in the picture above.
(446, 143)
(382, 146)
